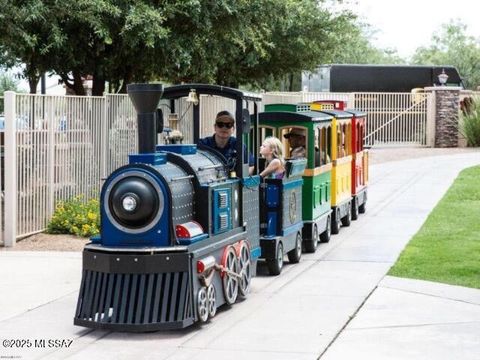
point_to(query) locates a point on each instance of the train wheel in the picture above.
(347, 219)
(336, 222)
(211, 300)
(202, 304)
(362, 208)
(325, 236)
(230, 282)
(245, 267)
(275, 265)
(295, 254)
(311, 244)
(355, 209)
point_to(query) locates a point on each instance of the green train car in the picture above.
(283, 122)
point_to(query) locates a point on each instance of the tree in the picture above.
(452, 46)
(227, 42)
(30, 35)
(7, 83)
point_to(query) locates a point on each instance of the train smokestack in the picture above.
(145, 98)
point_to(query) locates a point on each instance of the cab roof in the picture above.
(338, 114)
(178, 91)
(287, 116)
(357, 113)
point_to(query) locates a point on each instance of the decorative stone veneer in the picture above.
(447, 105)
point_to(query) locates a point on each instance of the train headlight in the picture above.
(134, 202)
(129, 202)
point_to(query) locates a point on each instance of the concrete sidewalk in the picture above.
(306, 313)
(413, 319)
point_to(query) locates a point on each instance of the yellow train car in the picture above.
(341, 190)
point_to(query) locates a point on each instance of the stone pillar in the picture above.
(447, 105)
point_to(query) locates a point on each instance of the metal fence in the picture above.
(64, 146)
(2, 170)
(57, 147)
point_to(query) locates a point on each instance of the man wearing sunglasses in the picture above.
(223, 141)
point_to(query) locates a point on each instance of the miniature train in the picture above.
(182, 228)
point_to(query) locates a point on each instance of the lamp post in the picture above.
(442, 78)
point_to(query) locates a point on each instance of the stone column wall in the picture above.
(447, 105)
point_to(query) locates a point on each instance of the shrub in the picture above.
(77, 217)
(470, 122)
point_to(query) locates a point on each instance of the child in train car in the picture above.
(272, 150)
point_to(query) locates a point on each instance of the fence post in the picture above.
(10, 170)
(431, 115)
(51, 155)
(104, 138)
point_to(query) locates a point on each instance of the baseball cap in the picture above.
(224, 116)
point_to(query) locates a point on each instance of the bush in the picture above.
(470, 122)
(76, 217)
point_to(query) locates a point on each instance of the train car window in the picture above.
(358, 140)
(295, 141)
(318, 147)
(348, 139)
(328, 144)
(266, 131)
(339, 141)
(325, 145)
(342, 141)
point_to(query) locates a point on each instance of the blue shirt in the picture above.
(229, 151)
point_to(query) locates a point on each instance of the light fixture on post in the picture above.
(442, 78)
(192, 97)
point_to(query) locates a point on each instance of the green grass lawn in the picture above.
(447, 247)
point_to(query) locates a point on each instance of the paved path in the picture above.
(306, 313)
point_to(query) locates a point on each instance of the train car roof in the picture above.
(177, 91)
(288, 116)
(357, 113)
(338, 114)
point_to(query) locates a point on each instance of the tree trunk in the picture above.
(32, 83)
(78, 84)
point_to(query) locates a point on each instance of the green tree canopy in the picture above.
(452, 46)
(229, 42)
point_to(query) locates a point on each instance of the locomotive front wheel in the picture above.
(230, 282)
(336, 222)
(202, 304)
(325, 236)
(355, 209)
(275, 265)
(295, 254)
(347, 219)
(311, 244)
(211, 300)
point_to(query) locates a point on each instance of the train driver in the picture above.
(297, 140)
(223, 141)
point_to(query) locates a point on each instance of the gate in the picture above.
(393, 118)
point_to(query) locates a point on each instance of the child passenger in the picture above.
(272, 151)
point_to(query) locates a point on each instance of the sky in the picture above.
(409, 24)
